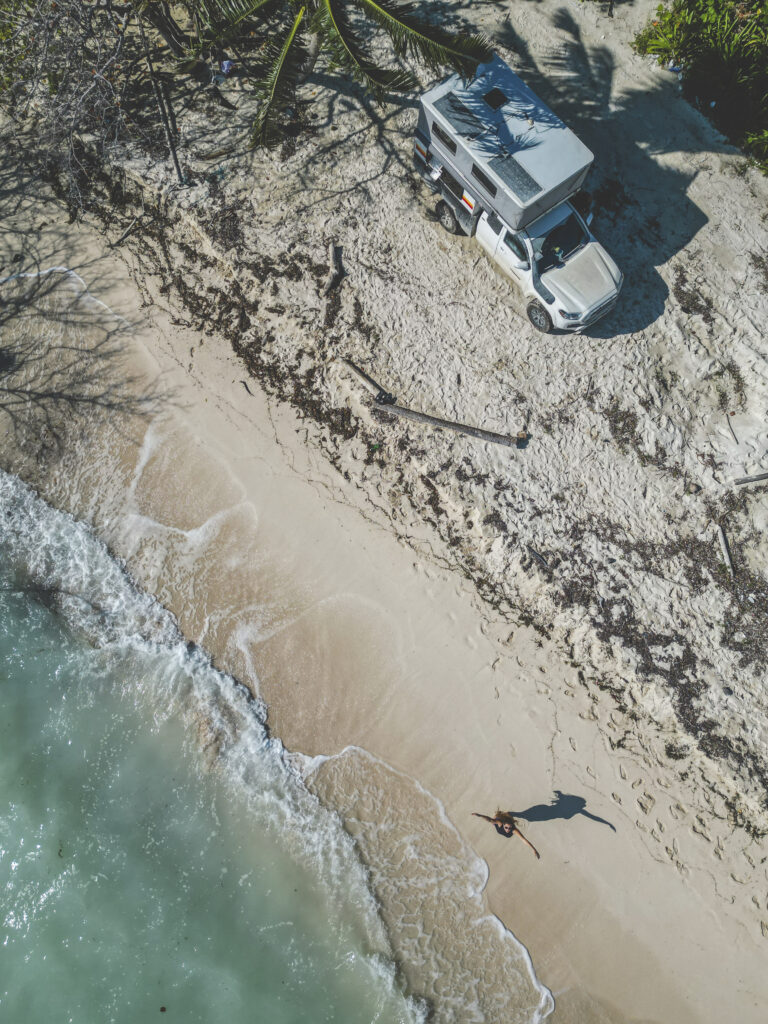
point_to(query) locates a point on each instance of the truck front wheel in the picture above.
(447, 218)
(539, 317)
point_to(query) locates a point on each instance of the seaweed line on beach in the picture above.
(236, 313)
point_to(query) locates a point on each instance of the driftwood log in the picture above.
(385, 403)
(435, 421)
(751, 479)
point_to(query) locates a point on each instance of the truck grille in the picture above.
(600, 312)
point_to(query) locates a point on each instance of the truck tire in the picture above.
(447, 218)
(539, 317)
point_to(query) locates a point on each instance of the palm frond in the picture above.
(219, 15)
(346, 51)
(434, 47)
(278, 87)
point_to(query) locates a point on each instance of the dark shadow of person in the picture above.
(564, 805)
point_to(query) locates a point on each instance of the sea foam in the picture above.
(59, 562)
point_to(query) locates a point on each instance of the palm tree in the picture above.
(71, 71)
(292, 34)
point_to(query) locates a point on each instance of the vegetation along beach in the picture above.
(364, 512)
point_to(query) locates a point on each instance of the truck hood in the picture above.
(585, 280)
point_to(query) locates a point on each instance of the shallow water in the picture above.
(141, 868)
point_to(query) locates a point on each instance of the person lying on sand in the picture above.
(506, 826)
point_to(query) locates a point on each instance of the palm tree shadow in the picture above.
(564, 805)
(645, 215)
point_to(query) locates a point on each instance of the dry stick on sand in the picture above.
(733, 432)
(128, 230)
(724, 548)
(539, 558)
(751, 479)
(335, 271)
(385, 404)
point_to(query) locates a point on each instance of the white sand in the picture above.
(290, 572)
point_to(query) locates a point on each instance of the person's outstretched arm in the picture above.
(484, 816)
(519, 833)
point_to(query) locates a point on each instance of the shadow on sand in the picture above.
(63, 354)
(564, 806)
(644, 214)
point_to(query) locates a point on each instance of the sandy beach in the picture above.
(439, 626)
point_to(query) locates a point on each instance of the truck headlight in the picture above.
(569, 316)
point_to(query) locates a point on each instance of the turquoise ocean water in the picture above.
(159, 852)
(159, 858)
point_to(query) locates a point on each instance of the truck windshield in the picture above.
(563, 241)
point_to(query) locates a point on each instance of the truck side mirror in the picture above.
(520, 264)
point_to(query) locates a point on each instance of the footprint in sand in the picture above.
(676, 811)
(674, 855)
(646, 802)
(700, 829)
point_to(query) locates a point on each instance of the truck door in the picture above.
(488, 230)
(510, 254)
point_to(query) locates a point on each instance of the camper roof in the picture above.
(508, 130)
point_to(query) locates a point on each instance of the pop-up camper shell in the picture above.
(491, 144)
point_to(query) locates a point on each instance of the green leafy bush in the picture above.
(721, 48)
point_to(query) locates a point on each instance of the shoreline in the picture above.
(551, 631)
(632, 584)
(334, 619)
(123, 514)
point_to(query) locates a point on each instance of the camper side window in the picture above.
(485, 181)
(494, 223)
(516, 246)
(443, 137)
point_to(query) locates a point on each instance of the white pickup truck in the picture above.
(566, 276)
(507, 169)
